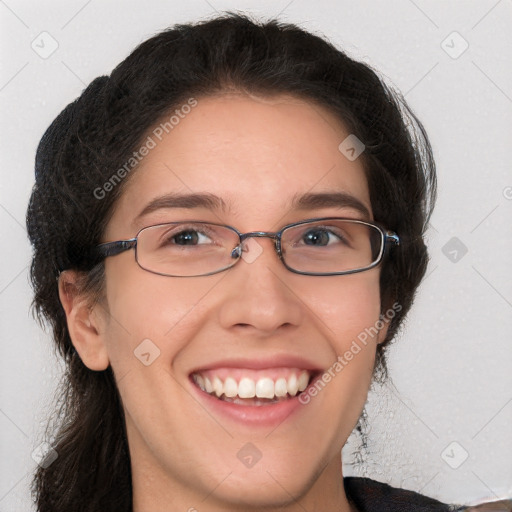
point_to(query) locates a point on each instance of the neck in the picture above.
(154, 490)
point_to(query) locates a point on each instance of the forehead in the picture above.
(258, 155)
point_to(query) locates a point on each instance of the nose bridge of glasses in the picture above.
(259, 234)
(236, 252)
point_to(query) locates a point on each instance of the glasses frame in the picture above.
(107, 249)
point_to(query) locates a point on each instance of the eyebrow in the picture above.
(308, 201)
(311, 201)
(190, 201)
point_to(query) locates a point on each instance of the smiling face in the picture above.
(256, 322)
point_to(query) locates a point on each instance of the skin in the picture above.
(256, 154)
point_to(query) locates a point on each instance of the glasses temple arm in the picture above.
(392, 237)
(107, 249)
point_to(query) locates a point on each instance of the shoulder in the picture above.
(370, 496)
(496, 506)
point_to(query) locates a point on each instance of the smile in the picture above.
(253, 387)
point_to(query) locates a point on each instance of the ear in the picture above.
(84, 322)
(381, 336)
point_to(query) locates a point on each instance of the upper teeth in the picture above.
(247, 387)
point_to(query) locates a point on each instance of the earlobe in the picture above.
(84, 322)
(383, 331)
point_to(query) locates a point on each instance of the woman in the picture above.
(203, 373)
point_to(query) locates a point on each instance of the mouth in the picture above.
(256, 388)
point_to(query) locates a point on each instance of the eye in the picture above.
(184, 235)
(320, 236)
(188, 237)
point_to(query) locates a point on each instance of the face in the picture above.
(256, 321)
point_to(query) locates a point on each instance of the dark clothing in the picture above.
(371, 496)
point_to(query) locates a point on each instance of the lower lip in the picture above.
(269, 415)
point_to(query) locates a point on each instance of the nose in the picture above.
(258, 293)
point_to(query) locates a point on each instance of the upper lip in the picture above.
(262, 363)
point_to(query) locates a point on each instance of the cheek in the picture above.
(144, 306)
(348, 312)
(350, 309)
(347, 305)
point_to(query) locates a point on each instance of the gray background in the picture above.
(444, 427)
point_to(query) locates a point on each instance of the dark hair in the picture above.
(97, 133)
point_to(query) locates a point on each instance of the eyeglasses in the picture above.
(319, 247)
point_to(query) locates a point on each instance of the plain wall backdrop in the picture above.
(443, 429)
